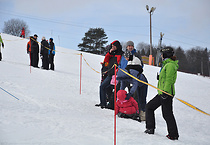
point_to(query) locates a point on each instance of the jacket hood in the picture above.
(168, 60)
(121, 95)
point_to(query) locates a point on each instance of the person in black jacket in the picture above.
(44, 53)
(34, 51)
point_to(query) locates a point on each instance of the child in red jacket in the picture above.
(126, 108)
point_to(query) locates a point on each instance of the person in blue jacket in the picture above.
(51, 53)
(135, 69)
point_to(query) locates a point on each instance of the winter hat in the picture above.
(129, 43)
(135, 61)
(51, 39)
(117, 44)
(35, 35)
(127, 54)
(167, 52)
(121, 95)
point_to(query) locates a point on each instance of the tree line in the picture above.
(195, 60)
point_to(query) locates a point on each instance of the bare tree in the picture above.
(14, 27)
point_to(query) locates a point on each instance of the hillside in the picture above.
(50, 109)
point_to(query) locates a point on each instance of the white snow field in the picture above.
(50, 110)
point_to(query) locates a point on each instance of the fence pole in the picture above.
(80, 89)
(115, 121)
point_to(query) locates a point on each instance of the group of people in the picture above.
(47, 52)
(129, 62)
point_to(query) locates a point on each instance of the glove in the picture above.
(164, 96)
(157, 76)
(128, 96)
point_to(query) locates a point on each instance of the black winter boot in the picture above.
(172, 137)
(149, 131)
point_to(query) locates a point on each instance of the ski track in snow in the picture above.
(51, 110)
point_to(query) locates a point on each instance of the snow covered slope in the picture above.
(51, 111)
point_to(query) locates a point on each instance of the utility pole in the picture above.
(201, 65)
(151, 11)
(159, 48)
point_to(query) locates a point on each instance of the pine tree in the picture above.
(94, 41)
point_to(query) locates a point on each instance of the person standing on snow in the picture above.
(1, 44)
(23, 33)
(29, 48)
(166, 81)
(44, 53)
(34, 51)
(112, 57)
(51, 53)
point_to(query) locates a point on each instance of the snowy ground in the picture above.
(51, 111)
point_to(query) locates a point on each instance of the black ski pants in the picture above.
(167, 112)
(34, 59)
(45, 61)
(51, 61)
(0, 56)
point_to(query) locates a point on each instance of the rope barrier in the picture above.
(50, 49)
(15, 39)
(89, 65)
(145, 82)
(188, 104)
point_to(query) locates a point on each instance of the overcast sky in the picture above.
(185, 23)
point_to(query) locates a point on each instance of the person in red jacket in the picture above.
(126, 108)
(29, 49)
(23, 33)
(112, 57)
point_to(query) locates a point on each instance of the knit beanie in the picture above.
(117, 44)
(129, 43)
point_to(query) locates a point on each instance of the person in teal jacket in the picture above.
(166, 81)
(51, 54)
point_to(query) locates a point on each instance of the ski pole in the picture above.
(9, 93)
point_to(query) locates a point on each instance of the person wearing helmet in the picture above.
(166, 81)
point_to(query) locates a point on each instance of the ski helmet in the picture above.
(167, 52)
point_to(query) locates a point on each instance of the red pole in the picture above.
(30, 61)
(80, 73)
(115, 121)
